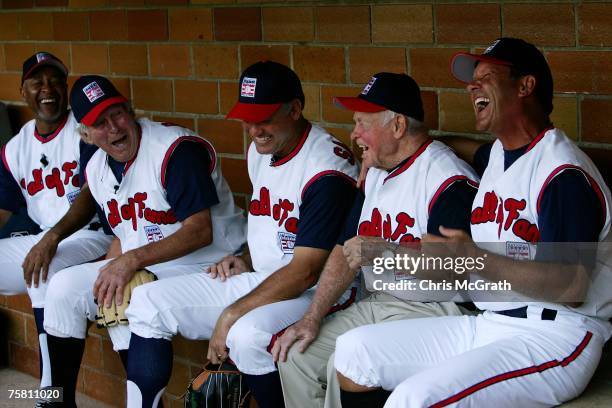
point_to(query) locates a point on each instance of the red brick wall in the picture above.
(180, 60)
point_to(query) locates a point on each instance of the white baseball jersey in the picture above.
(278, 190)
(46, 169)
(506, 210)
(137, 209)
(398, 203)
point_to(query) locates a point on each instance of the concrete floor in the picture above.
(13, 379)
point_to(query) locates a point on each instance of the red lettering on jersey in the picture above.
(68, 169)
(344, 152)
(136, 209)
(513, 207)
(527, 231)
(279, 212)
(372, 228)
(292, 225)
(505, 213)
(375, 227)
(113, 213)
(36, 185)
(486, 213)
(261, 206)
(404, 221)
(409, 238)
(159, 217)
(54, 181)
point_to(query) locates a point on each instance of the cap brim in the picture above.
(49, 62)
(463, 64)
(357, 104)
(253, 112)
(93, 114)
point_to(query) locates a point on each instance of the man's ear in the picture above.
(296, 109)
(22, 92)
(527, 85)
(400, 125)
(83, 131)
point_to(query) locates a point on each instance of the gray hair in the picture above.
(414, 125)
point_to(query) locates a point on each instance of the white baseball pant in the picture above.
(190, 305)
(70, 301)
(473, 361)
(82, 246)
(309, 378)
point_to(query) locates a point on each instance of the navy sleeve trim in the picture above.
(590, 179)
(319, 175)
(446, 185)
(172, 148)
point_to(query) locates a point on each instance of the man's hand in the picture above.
(361, 250)
(230, 265)
(452, 242)
(217, 348)
(36, 263)
(304, 332)
(113, 277)
(448, 235)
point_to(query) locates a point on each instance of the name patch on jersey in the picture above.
(286, 242)
(93, 91)
(247, 89)
(153, 233)
(518, 250)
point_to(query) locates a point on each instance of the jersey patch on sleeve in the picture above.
(153, 233)
(286, 242)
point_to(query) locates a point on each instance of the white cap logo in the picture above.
(247, 89)
(41, 56)
(368, 86)
(93, 91)
(490, 48)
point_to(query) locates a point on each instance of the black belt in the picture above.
(521, 312)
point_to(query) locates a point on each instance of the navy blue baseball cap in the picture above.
(90, 96)
(387, 91)
(41, 59)
(522, 56)
(263, 88)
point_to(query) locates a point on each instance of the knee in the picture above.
(142, 303)
(300, 361)
(354, 361)
(245, 336)
(60, 289)
(145, 315)
(351, 345)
